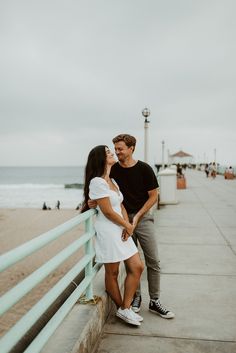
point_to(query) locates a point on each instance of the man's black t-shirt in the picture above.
(134, 183)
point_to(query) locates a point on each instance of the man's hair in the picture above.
(127, 139)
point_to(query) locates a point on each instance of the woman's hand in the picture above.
(128, 231)
(125, 235)
(129, 228)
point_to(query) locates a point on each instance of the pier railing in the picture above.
(16, 333)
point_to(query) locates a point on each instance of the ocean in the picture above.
(30, 187)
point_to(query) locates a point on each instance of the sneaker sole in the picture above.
(129, 321)
(163, 316)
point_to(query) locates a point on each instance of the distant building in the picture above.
(181, 157)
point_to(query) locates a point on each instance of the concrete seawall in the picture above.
(81, 329)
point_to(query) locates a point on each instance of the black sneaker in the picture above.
(136, 303)
(156, 307)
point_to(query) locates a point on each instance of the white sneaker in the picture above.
(137, 316)
(127, 315)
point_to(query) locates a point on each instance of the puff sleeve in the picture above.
(98, 188)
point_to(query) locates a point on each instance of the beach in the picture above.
(30, 187)
(18, 226)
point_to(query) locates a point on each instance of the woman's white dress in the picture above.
(109, 246)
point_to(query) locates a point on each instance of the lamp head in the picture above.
(146, 112)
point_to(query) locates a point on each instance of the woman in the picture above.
(113, 241)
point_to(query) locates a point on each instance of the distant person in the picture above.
(230, 170)
(58, 205)
(229, 173)
(213, 170)
(113, 241)
(179, 171)
(207, 170)
(44, 206)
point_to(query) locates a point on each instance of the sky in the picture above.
(74, 74)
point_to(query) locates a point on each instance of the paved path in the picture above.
(197, 247)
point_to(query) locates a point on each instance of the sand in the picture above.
(18, 226)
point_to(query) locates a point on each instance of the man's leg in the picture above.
(145, 233)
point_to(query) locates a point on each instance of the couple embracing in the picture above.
(123, 193)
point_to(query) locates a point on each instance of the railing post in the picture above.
(89, 250)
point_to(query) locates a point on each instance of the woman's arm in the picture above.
(105, 206)
(125, 235)
(124, 212)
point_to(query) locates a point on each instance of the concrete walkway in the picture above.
(197, 247)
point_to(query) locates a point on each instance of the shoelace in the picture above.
(158, 304)
(136, 301)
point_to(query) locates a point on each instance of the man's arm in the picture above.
(146, 207)
(92, 203)
(106, 208)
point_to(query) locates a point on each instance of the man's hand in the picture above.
(125, 235)
(135, 220)
(92, 203)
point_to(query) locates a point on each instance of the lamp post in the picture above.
(146, 112)
(163, 151)
(215, 155)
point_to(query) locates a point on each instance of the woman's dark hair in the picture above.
(95, 167)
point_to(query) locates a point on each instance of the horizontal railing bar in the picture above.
(16, 293)
(13, 256)
(42, 338)
(26, 322)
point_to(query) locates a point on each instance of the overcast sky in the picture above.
(73, 74)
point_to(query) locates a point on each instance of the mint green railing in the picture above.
(14, 335)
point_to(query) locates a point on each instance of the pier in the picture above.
(197, 248)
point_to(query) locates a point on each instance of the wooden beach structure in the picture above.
(181, 157)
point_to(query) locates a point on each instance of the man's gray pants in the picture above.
(144, 234)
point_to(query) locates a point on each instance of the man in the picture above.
(138, 185)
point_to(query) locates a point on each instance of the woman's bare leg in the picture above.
(111, 282)
(134, 269)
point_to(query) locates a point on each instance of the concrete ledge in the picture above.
(81, 329)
